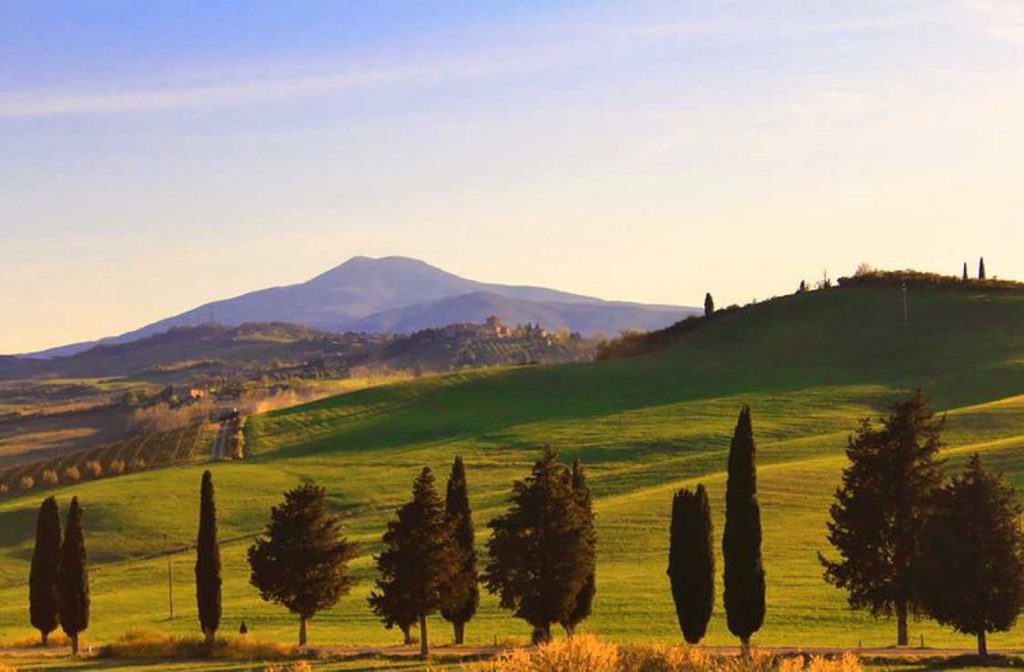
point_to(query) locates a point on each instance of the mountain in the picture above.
(584, 317)
(402, 294)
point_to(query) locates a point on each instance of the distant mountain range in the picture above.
(401, 295)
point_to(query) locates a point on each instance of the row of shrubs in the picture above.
(135, 454)
(586, 653)
(72, 474)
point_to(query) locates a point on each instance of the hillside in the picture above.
(809, 365)
(283, 350)
(370, 289)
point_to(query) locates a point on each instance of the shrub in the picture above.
(846, 663)
(138, 464)
(50, 477)
(72, 474)
(146, 644)
(56, 638)
(95, 468)
(586, 653)
(27, 483)
(115, 467)
(4, 488)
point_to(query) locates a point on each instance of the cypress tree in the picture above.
(73, 578)
(965, 272)
(462, 594)
(585, 598)
(208, 580)
(887, 493)
(709, 305)
(691, 562)
(741, 541)
(538, 549)
(981, 268)
(43, 597)
(972, 559)
(301, 560)
(419, 558)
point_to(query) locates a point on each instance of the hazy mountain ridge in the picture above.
(400, 294)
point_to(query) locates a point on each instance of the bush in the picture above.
(4, 489)
(27, 483)
(95, 468)
(50, 477)
(146, 644)
(56, 638)
(585, 653)
(72, 474)
(115, 467)
(138, 464)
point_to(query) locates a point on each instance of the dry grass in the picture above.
(145, 644)
(586, 653)
(57, 638)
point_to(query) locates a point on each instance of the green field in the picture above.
(809, 365)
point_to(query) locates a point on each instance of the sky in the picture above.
(155, 156)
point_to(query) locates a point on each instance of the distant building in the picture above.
(495, 326)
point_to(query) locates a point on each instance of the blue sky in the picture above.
(157, 155)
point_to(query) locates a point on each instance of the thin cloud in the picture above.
(43, 104)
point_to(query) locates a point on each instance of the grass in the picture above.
(808, 365)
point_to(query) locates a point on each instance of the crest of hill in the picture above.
(635, 343)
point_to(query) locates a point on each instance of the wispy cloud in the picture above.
(60, 103)
(1002, 19)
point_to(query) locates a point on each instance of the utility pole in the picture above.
(906, 315)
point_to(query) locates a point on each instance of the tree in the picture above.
(394, 610)
(43, 596)
(981, 268)
(887, 493)
(709, 305)
(965, 278)
(462, 594)
(419, 557)
(691, 562)
(208, 581)
(301, 560)
(803, 287)
(537, 549)
(972, 555)
(585, 598)
(73, 578)
(741, 541)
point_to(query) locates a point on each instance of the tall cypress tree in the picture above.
(585, 598)
(741, 541)
(972, 555)
(965, 278)
(888, 492)
(208, 580)
(709, 305)
(43, 596)
(461, 596)
(537, 549)
(981, 268)
(301, 560)
(73, 578)
(419, 558)
(691, 562)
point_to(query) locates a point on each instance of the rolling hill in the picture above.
(399, 294)
(810, 365)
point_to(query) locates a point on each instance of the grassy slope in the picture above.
(809, 365)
